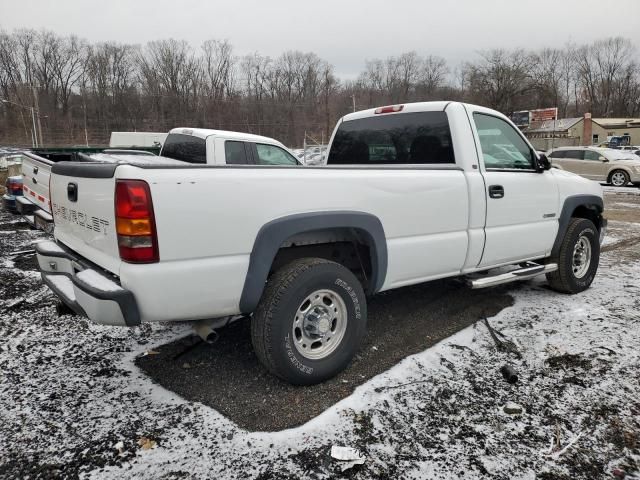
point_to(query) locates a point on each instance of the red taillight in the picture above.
(389, 109)
(135, 223)
(14, 188)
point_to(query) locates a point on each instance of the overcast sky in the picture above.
(343, 32)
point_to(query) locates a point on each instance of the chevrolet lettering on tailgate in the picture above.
(80, 218)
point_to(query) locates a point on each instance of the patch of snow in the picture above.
(64, 284)
(48, 246)
(97, 281)
(624, 190)
(622, 205)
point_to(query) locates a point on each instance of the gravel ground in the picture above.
(73, 401)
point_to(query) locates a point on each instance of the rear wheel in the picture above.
(577, 259)
(310, 321)
(619, 178)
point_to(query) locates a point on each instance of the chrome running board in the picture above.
(524, 273)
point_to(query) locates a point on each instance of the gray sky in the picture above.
(343, 32)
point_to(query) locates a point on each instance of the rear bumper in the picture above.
(9, 202)
(85, 289)
(25, 206)
(34, 215)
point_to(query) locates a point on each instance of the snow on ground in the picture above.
(632, 190)
(72, 402)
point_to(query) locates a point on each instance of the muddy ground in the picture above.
(228, 377)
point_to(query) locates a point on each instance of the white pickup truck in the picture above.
(410, 193)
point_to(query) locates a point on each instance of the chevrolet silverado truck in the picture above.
(410, 193)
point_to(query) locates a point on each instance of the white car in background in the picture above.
(617, 167)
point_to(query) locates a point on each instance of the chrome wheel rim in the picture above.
(319, 324)
(618, 179)
(581, 257)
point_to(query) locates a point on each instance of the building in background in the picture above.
(568, 132)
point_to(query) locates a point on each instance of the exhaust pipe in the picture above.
(206, 329)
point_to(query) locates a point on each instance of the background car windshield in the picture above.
(619, 155)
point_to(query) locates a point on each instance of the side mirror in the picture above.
(603, 159)
(543, 163)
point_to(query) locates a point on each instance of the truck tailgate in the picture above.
(35, 183)
(82, 201)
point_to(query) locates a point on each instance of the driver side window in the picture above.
(502, 146)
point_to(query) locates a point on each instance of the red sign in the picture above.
(544, 114)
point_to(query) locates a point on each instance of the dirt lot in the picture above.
(81, 399)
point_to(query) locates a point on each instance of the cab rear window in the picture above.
(406, 138)
(185, 148)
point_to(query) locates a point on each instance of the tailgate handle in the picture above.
(35, 170)
(72, 192)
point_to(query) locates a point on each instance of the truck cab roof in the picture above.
(404, 108)
(206, 132)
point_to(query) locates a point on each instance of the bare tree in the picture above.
(501, 79)
(600, 67)
(69, 62)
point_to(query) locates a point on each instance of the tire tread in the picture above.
(263, 317)
(559, 280)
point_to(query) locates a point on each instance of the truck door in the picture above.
(522, 203)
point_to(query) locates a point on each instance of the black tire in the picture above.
(272, 325)
(564, 279)
(619, 172)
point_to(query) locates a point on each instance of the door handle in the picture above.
(496, 191)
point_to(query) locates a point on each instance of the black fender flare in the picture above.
(570, 204)
(272, 235)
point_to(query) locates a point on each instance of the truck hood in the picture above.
(570, 184)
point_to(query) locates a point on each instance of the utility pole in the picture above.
(35, 132)
(34, 112)
(86, 136)
(37, 107)
(353, 98)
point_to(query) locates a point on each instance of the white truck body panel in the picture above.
(136, 139)
(35, 180)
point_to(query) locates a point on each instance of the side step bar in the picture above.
(524, 273)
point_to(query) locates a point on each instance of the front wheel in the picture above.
(310, 321)
(577, 259)
(619, 178)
